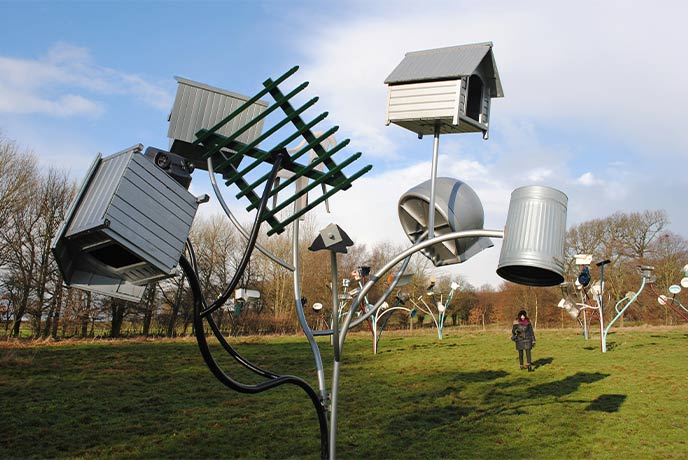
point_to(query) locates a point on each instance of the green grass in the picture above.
(419, 398)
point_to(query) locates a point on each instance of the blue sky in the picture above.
(594, 93)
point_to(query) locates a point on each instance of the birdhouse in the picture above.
(199, 106)
(445, 89)
(126, 227)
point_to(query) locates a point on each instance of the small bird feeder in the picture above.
(446, 89)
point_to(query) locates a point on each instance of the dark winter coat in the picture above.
(524, 336)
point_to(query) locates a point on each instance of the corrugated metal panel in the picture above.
(176, 196)
(127, 227)
(419, 107)
(138, 208)
(423, 100)
(198, 106)
(91, 211)
(448, 63)
(152, 212)
(440, 63)
(134, 231)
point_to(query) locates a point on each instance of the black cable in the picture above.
(279, 157)
(216, 330)
(237, 386)
(234, 354)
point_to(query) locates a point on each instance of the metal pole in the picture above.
(333, 410)
(433, 178)
(335, 304)
(302, 317)
(603, 338)
(374, 319)
(337, 357)
(619, 313)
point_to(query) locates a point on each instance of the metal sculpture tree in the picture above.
(445, 224)
(592, 298)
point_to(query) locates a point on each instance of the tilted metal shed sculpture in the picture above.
(126, 227)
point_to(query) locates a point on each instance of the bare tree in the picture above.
(54, 195)
(639, 230)
(21, 247)
(17, 172)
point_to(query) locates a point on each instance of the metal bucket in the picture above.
(534, 237)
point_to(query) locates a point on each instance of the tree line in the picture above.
(35, 303)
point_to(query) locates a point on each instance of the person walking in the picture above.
(523, 335)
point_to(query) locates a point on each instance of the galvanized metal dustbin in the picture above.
(534, 237)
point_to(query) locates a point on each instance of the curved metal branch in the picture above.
(317, 357)
(408, 252)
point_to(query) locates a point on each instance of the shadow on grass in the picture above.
(448, 406)
(610, 346)
(565, 386)
(481, 376)
(499, 398)
(543, 362)
(640, 345)
(606, 403)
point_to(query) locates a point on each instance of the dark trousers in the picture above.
(520, 356)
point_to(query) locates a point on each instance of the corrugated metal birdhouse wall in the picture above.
(199, 106)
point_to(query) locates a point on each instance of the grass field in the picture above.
(419, 398)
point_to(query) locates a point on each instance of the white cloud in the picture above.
(14, 100)
(66, 82)
(595, 64)
(538, 174)
(587, 179)
(573, 76)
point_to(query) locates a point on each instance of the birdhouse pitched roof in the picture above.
(448, 63)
